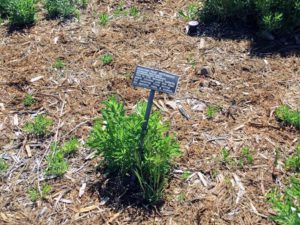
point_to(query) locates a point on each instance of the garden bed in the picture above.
(204, 187)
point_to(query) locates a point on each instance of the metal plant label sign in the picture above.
(155, 80)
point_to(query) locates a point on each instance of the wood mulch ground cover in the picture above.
(246, 87)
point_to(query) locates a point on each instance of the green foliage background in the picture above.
(272, 15)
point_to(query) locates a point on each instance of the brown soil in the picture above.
(217, 193)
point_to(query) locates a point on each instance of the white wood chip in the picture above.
(36, 79)
(82, 190)
(16, 120)
(28, 150)
(202, 179)
(240, 187)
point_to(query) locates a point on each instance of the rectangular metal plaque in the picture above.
(155, 80)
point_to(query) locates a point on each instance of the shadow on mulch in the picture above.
(284, 46)
(120, 194)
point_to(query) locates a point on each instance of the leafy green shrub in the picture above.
(191, 12)
(293, 162)
(3, 7)
(226, 10)
(278, 14)
(116, 137)
(271, 15)
(287, 204)
(21, 12)
(60, 8)
(39, 126)
(288, 116)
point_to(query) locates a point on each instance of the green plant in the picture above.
(211, 111)
(28, 100)
(246, 156)
(185, 175)
(82, 3)
(225, 154)
(39, 126)
(56, 164)
(106, 59)
(116, 137)
(4, 8)
(192, 61)
(288, 116)
(120, 9)
(3, 165)
(226, 10)
(181, 197)
(70, 146)
(293, 162)
(133, 11)
(21, 12)
(273, 15)
(59, 64)
(61, 8)
(286, 204)
(34, 193)
(191, 13)
(103, 19)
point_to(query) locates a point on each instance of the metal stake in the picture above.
(146, 121)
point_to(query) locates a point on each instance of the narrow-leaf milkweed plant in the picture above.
(116, 137)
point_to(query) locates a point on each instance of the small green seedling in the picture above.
(211, 111)
(103, 19)
(181, 197)
(246, 157)
(28, 100)
(191, 13)
(56, 164)
(3, 165)
(34, 194)
(121, 9)
(39, 126)
(293, 162)
(192, 61)
(70, 146)
(133, 11)
(59, 64)
(106, 59)
(286, 204)
(288, 116)
(225, 154)
(185, 175)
